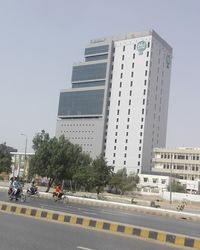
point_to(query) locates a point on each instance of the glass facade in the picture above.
(81, 103)
(89, 72)
(97, 50)
(88, 84)
(96, 58)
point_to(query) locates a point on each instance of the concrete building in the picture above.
(19, 165)
(184, 162)
(118, 102)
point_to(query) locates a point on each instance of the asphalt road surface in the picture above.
(21, 233)
(180, 226)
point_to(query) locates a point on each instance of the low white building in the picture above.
(154, 182)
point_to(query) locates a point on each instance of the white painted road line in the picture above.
(84, 248)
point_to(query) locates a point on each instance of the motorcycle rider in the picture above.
(58, 191)
(16, 187)
(32, 187)
(10, 186)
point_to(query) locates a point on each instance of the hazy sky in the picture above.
(41, 39)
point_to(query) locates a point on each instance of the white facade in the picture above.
(159, 182)
(131, 116)
(138, 102)
(184, 162)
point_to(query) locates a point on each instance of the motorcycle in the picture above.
(63, 198)
(32, 191)
(18, 196)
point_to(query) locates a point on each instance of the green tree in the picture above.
(56, 159)
(101, 172)
(176, 187)
(121, 181)
(5, 159)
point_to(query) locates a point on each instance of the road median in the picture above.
(102, 225)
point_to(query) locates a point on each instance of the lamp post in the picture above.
(25, 150)
(170, 185)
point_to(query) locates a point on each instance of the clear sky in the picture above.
(41, 39)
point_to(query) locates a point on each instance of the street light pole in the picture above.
(25, 160)
(170, 186)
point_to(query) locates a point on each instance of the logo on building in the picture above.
(141, 46)
(168, 60)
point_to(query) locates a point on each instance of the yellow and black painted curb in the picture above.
(106, 226)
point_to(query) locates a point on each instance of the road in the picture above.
(20, 233)
(178, 226)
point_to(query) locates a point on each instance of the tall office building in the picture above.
(118, 102)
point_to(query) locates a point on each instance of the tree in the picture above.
(176, 187)
(56, 159)
(101, 172)
(122, 182)
(5, 159)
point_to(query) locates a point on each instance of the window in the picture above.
(134, 46)
(119, 93)
(126, 133)
(146, 63)
(138, 163)
(123, 48)
(129, 111)
(155, 180)
(145, 72)
(127, 127)
(145, 82)
(131, 83)
(121, 76)
(146, 180)
(114, 155)
(119, 103)
(140, 148)
(115, 140)
(125, 148)
(126, 140)
(116, 126)
(118, 112)
(113, 161)
(129, 102)
(125, 155)
(130, 93)
(142, 111)
(122, 66)
(139, 156)
(128, 119)
(163, 181)
(140, 133)
(147, 53)
(144, 91)
(140, 141)
(134, 56)
(122, 57)
(148, 44)
(124, 162)
(131, 74)
(141, 126)
(133, 65)
(117, 119)
(120, 84)
(115, 133)
(143, 101)
(114, 147)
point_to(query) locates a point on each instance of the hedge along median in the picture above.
(103, 225)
